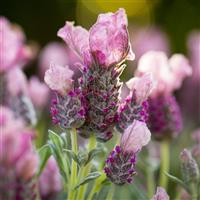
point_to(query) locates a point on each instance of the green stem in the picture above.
(97, 186)
(85, 170)
(111, 192)
(150, 182)
(165, 163)
(73, 177)
(194, 191)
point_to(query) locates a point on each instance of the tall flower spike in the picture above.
(120, 165)
(102, 49)
(135, 105)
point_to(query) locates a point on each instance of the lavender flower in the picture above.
(120, 165)
(67, 108)
(102, 51)
(135, 106)
(165, 118)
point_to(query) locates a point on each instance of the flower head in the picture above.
(161, 194)
(120, 164)
(38, 92)
(14, 52)
(59, 78)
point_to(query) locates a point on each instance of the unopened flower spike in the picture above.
(120, 164)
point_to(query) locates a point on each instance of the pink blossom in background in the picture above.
(8, 122)
(190, 93)
(53, 52)
(196, 135)
(59, 78)
(16, 82)
(17, 153)
(14, 51)
(143, 86)
(161, 194)
(169, 73)
(135, 137)
(107, 40)
(50, 180)
(38, 92)
(148, 39)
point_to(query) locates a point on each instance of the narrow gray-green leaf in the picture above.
(44, 153)
(92, 176)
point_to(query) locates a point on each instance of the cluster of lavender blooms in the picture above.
(18, 93)
(19, 160)
(94, 106)
(165, 118)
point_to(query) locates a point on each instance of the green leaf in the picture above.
(92, 176)
(44, 153)
(178, 181)
(59, 159)
(93, 153)
(72, 154)
(82, 157)
(55, 138)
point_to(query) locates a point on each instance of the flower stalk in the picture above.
(165, 163)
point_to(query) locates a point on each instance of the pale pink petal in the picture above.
(77, 38)
(161, 194)
(135, 137)
(156, 62)
(180, 68)
(143, 86)
(109, 40)
(59, 78)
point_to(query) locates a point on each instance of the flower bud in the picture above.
(161, 194)
(68, 111)
(190, 171)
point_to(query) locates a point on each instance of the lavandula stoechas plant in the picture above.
(102, 50)
(18, 160)
(120, 165)
(164, 118)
